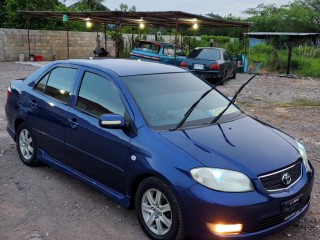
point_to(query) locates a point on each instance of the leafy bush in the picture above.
(234, 47)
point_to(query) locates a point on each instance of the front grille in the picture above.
(274, 181)
(278, 219)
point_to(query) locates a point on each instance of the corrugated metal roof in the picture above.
(167, 18)
(294, 34)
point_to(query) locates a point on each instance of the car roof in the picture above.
(127, 67)
(210, 48)
(156, 43)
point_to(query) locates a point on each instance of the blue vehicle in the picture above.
(158, 52)
(117, 126)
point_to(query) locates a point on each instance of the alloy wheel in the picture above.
(156, 211)
(26, 144)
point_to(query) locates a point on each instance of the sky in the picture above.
(221, 7)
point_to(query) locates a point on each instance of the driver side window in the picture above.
(98, 95)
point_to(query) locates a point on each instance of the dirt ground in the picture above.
(44, 203)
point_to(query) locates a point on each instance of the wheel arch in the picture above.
(17, 123)
(139, 179)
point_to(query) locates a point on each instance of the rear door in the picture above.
(49, 106)
(97, 152)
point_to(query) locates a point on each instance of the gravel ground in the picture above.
(44, 203)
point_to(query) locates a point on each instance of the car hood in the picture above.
(244, 145)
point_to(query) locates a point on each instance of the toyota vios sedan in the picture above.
(117, 126)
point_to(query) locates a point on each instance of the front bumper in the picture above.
(261, 213)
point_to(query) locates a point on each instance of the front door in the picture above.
(98, 153)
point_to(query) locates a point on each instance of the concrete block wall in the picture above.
(52, 45)
(49, 44)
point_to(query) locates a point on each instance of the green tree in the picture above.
(125, 8)
(89, 5)
(2, 13)
(293, 17)
(16, 19)
(314, 6)
(234, 32)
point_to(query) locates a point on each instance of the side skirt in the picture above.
(120, 198)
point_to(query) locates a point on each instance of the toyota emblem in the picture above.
(286, 179)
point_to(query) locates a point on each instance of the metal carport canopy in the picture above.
(163, 18)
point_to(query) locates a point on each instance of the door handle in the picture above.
(73, 122)
(33, 102)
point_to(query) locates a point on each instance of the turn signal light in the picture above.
(215, 66)
(184, 64)
(225, 229)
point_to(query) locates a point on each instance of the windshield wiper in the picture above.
(236, 95)
(190, 110)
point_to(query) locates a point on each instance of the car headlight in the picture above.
(304, 156)
(222, 179)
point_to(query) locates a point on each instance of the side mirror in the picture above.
(112, 121)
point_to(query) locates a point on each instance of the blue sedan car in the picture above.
(162, 52)
(113, 125)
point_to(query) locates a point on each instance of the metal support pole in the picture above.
(68, 56)
(176, 42)
(245, 39)
(29, 48)
(118, 36)
(105, 36)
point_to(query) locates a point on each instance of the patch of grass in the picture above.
(300, 102)
(275, 60)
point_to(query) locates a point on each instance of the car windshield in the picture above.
(163, 99)
(205, 54)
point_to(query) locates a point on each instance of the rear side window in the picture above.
(205, 54)
(41, 86)
(57, 83)
(98, 96)
(226, 56)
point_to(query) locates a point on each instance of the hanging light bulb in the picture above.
(141, 26)
(89, 24)
(195, 26)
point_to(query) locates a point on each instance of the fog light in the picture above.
(225, 229)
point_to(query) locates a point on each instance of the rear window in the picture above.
(206, 54)
(149, 47)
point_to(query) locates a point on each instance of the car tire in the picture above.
(158, 210)
(225, 77)
(26, 146)
(234, 74)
